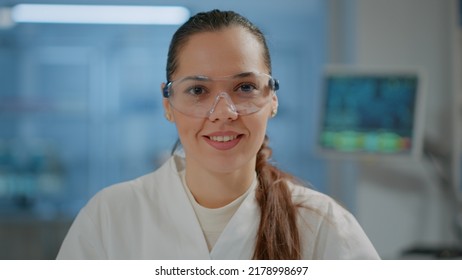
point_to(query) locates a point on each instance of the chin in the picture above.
(230, 164)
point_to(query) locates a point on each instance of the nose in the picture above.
(222, 110)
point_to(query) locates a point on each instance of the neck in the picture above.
(215, 189)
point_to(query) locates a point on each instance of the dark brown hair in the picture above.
(209, 22)
(277, 237)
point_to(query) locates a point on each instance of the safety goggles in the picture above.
(244, 93)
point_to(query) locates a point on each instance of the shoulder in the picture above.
(319, 207)
(312, 199)
(144, 190)
(104, 228)
(330, 231)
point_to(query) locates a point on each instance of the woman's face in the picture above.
(223, 142)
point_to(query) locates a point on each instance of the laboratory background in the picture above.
(80, 109)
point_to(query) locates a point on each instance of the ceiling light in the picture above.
(99, 14)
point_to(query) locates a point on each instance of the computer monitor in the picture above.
(368, 112)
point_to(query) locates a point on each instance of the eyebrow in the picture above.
(244, 74)
(207, 78)
(197, 78)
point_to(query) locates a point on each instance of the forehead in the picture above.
(224, 52)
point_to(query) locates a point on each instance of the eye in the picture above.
(246, 88)
(196, 90)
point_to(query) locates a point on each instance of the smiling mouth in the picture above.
(223, 138)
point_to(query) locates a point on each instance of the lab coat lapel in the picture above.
(237, 240)
(191, 242)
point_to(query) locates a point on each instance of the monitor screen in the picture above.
(370, 113)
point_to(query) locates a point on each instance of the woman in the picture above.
(223, 199)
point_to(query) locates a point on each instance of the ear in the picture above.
(167, 108)
(274, 105)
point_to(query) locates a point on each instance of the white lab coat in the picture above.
(152, 218)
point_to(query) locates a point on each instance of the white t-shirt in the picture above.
(213, 221)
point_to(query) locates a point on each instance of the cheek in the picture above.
(187, 127)
(257, 124)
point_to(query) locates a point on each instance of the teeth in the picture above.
(223, 138)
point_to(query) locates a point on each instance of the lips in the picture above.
(223, 140)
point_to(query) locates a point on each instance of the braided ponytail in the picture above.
(277, 235)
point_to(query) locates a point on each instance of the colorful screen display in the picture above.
(369, 113)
